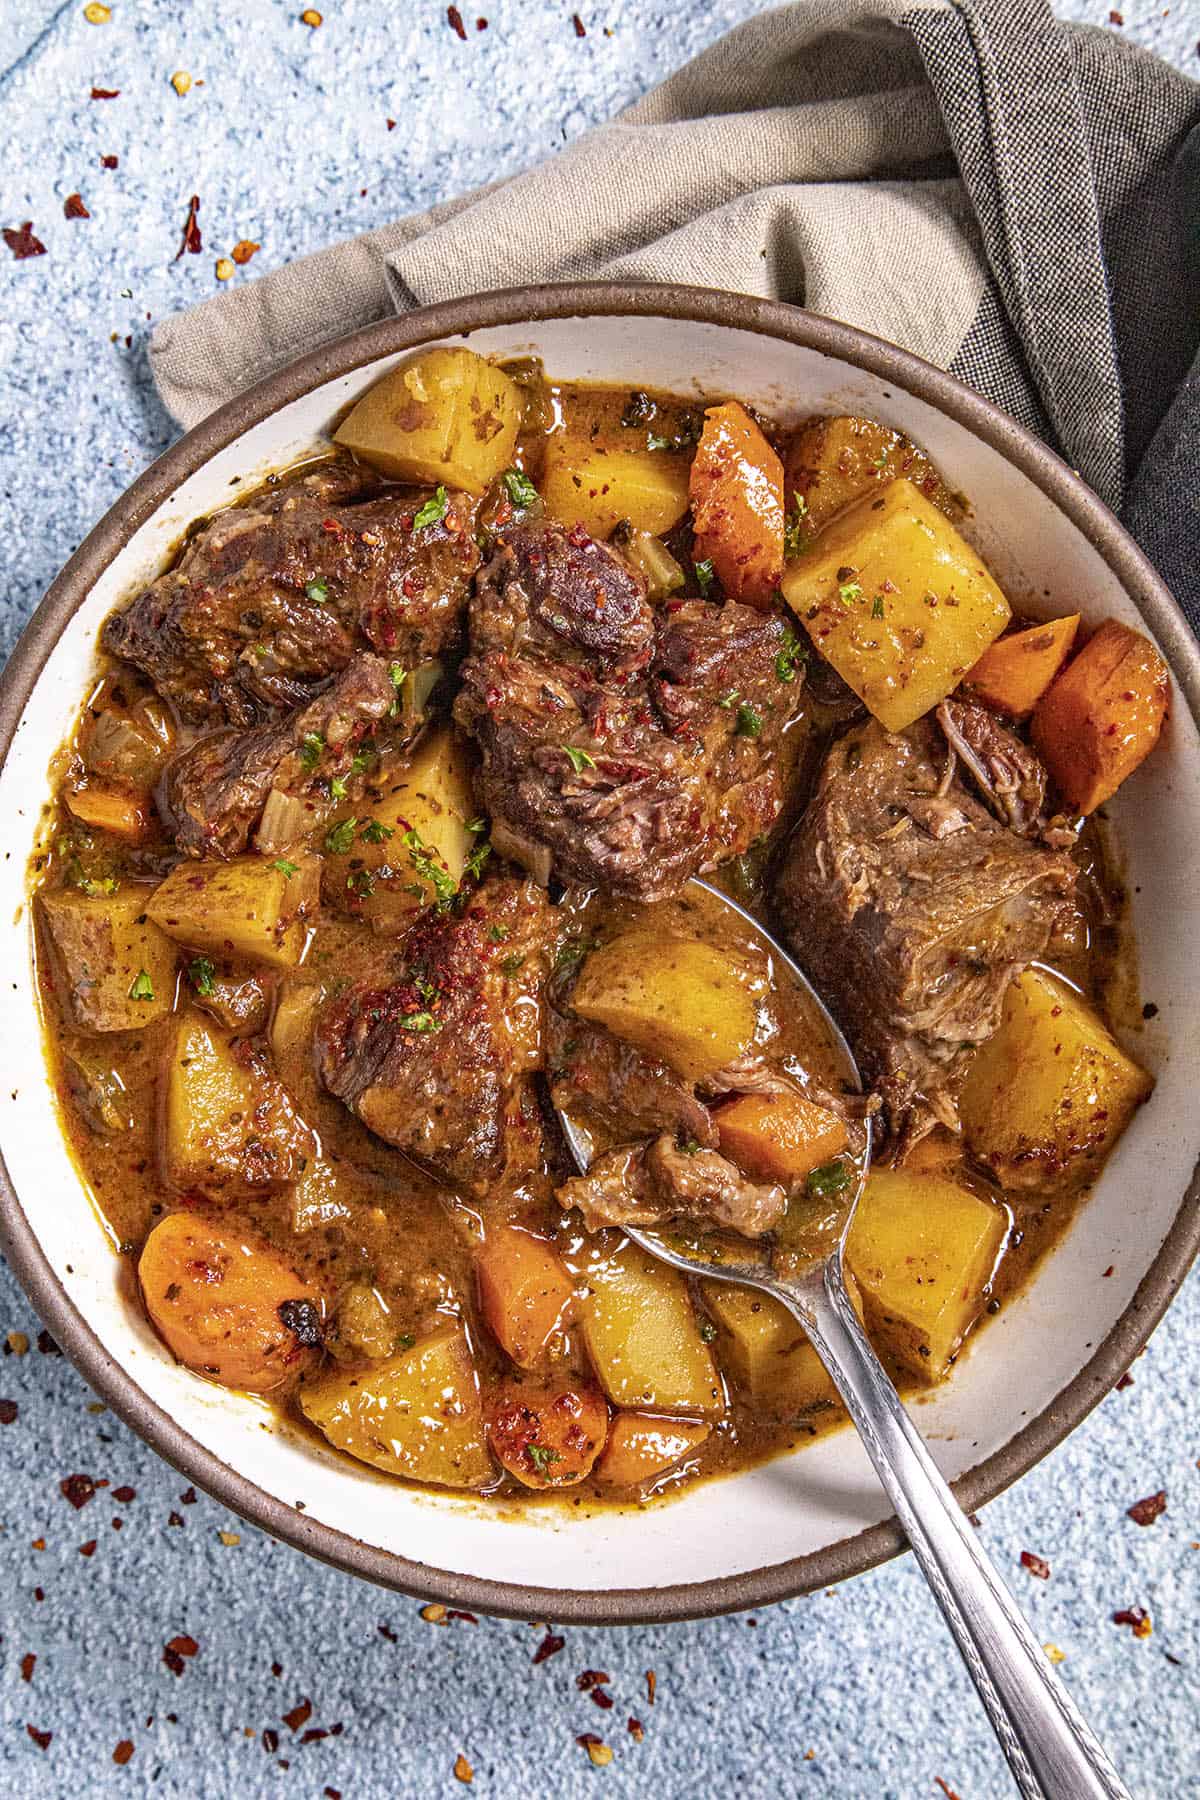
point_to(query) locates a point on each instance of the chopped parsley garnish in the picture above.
(541, 1456)
(793, 528)
(690, 1146)
(361, 882)
(499, 934)
(340, 837)
(512, 964)
(142, 988)
(474, 863)
(312, 748)
(877, 607)
(363, 759)
(730, 700)
(705, 576)
(638, 409)
(405, 1341)
(96, 886)
(420, 1021)
(519, 488)
(573, 951)
(830, 1178)
(337, 787)
(685, 438)
(398, 675)
(579, 759)
(793, 653)
(286, 869)
(849, 592)
(376, 832)
(437, 877)
(749, 723)
(200, 974)
(433, 511)
(708, 1331)
(317, 591)
(881, 461)
(477, 825)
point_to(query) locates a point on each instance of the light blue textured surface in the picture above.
(852, 1693)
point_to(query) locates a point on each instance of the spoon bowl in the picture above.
(1050, 1748)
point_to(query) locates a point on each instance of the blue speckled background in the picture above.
(852, 1693)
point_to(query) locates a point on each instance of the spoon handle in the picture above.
(1050, 1748)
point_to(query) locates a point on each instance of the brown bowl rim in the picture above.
(514, 306)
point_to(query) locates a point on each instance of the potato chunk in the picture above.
(115, 967)
(779, 1137)
(247, 907)
(765, 1352)
(448, 418)
(832, 462)
(898, 602)
(586, 484)
(228, 1305)
(226, 1124)
(1049, 1094)
(406, 842)
(547, 1436)
(737, 504)
(641, 1447)
(524, 1293)
(674, 998)
(417, 1414)
(1102, 716)
(642, 1336)
(922, 1250)
(1013, 673)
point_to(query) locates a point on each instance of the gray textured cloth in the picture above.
(1013, 198)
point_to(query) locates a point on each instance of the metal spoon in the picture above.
(1051, 1750)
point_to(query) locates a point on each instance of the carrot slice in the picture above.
(1015, 671)
(736, 489)
(779, 1137)
(1102, 716)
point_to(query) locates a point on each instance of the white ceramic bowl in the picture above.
(1031, 1375)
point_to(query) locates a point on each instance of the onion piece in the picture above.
(286, 820)
(650, 556)
(414, 696)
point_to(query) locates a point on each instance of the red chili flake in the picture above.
(73, 207)
(332, 1793)
(39, 1593)
(1037, 1565)
(314, 1734)
(118, 1524)
(580, 27)
(8, 1412)
(191, 239)
(106, 93)
(946, 1788)
(188, 1497)
(591, 1678)
(123, 1752)
(28, 1664)
(602, 1698)
(455, 21)
(481, 24)
(1137, 1618)
(391, 124)
(636, 1730)
(1126, 1381)
(110, 162)
(78, 1489)
(1111, 1270)
(88, 1549)
(1144, 1512)
(469, 1618)
(124, 1494)
(23, 244)
(299, 1715)
(40, 1738)
(277, 1669)
(385, 1631)
(173, 1518)
(1116, 18)
(651, 1685)
(176, 1650)
(270, 1740)
(243, 250)
(550, 1645)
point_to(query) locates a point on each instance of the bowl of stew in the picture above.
(370, 771)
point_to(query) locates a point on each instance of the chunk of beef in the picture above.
(647, 1185)
(438, 1062)
(269, 599)
(213, 796)
(596, 1078)
(637, 746)
(911, 908)
(1009, 774)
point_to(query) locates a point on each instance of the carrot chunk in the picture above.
(779, 1137)
(1102, 716)
(736, 489)
(1015, 671)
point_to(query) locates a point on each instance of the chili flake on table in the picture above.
(1144, 1512)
